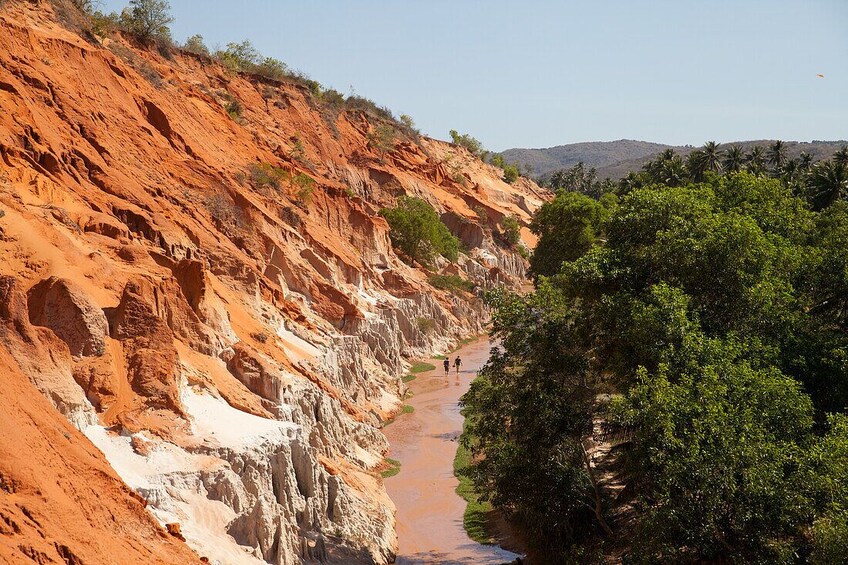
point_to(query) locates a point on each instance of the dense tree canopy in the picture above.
(674, 389)
(417, 232)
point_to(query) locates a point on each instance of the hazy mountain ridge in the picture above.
(615, 159)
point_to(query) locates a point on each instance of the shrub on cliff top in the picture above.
(465, 140)
(148, 19)
(418, 233)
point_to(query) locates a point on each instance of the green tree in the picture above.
(195, 44)
(712, 156)
(707, 326)
(734, 159)
(756, 160)
(510, 230)
(417, 231)
(472, 144)
(567, 226)
(148, 19)
(382, 138)
(828, 183)
(239, 56)
(777, 155)
(841, 155)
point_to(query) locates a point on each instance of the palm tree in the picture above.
(672, 172)
(841, 155)
(712, 156)
(734, 159)
(655, 166)
(791, 174)
(696, 163)
(777, 155)
(805, 161)
(827, 183)
(756, 160)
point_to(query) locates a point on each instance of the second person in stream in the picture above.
(447, 366)
(457, 363)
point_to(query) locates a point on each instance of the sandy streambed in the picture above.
(429, 512)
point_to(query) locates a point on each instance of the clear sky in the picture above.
(541, 73)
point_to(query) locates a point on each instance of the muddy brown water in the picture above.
(429, 512)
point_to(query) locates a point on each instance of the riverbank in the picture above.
(424, 441)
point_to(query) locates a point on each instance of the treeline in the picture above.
(801, 174)
(675, 388)
(148, 23)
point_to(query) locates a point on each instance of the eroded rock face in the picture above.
(41, 356)
(231, 350)
(64, 307)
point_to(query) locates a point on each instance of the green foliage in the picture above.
(421, 367)
(266, 175)
(567, 227)
(148, 19)
(239, 56)
(510, 230)
(425, 325)
(272, 68)
(417, 232)
(105, 24)
(234, 109)
(475, 518)
(510, 172)
(393, 468)
(713, 318)
(305, 186)
(382, 138)
(195, 44)
(409, 378)
(367, 106)
(470, 143)
(452, 283)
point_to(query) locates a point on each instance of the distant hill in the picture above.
(615, 159)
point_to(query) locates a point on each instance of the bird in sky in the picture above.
(819, 75)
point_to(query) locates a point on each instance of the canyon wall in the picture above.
(230, 343)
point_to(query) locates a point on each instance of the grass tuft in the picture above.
(409, 378)
(421, 367)
(394, 468)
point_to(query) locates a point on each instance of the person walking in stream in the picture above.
(457, 363)
(447, 366)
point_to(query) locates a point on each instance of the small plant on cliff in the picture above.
(418, 233)
(298, 151)
(382, 138)
(510, 232)
(234, 109)
(510, 172)
(425, 325)
(305, 187)
(265, 175)
(451, 283)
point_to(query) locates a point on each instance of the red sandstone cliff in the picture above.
(231, 347)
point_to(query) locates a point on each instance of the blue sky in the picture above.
(542, 73)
